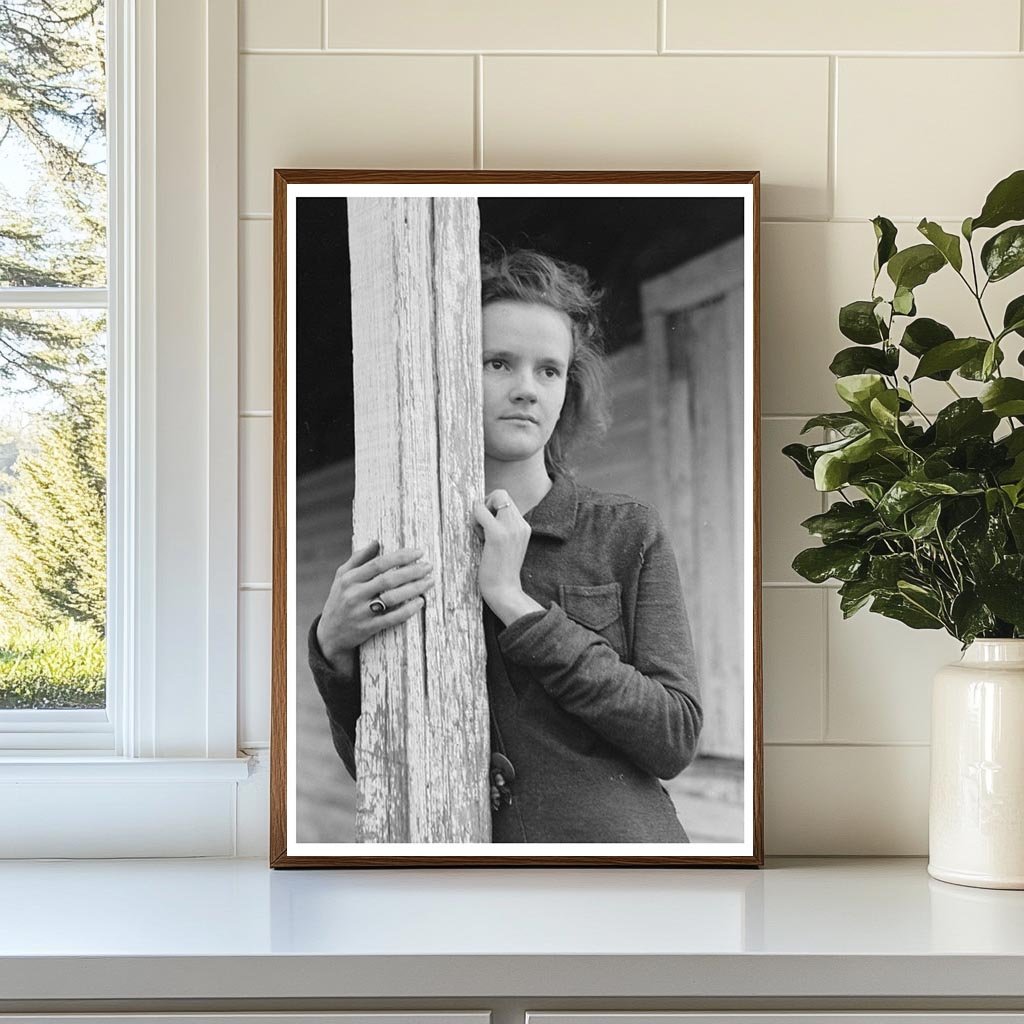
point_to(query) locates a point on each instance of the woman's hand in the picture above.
(506, 536)
(400, 580)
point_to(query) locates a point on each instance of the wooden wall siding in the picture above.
(693, 319)
(422, 746)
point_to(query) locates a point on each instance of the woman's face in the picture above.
(527, 351)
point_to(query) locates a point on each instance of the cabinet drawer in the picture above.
(355, 1017)
(851, 1017)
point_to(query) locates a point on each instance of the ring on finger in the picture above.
(498, 508)
(378, 606)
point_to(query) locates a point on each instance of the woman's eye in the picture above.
(550, 372)
(494, 364)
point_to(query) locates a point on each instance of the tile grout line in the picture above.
(478, 111)
(1020, 23)
(663, 26)
(323, 24)
(340, 51)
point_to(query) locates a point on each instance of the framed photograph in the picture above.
(516, 588)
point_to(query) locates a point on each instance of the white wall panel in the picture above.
(685, 113)
(256, 302)
(255, 503)
(794, 663)
(351, 111)
(261, 25)
(870, 25)
(879, 675)
(254, 617)
(962, 129)
(471, 25)
(846, 800)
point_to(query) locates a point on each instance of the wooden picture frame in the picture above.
(677, 254)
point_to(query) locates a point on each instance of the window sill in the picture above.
(78, 767)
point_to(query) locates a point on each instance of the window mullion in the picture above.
(53, 298)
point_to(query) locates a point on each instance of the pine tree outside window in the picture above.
(53, 370)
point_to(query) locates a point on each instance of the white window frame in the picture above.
(157, 773)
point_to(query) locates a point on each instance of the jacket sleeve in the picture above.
(342, 698)
(649, 709)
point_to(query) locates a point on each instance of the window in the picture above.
(155, 770)
(53, 371)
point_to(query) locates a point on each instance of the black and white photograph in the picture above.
(515, 504)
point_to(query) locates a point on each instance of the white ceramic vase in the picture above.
(976, 814)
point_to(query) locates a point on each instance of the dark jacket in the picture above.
(594, 699)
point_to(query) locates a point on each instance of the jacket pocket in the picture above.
(599, 608)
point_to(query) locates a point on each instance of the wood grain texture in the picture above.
(422, 740)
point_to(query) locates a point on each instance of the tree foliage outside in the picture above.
(52, 365)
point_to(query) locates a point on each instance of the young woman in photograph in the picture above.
(591, 672)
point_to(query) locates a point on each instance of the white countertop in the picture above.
(234, 929)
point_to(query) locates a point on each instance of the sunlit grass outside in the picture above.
(63, 666)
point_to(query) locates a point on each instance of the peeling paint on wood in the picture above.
(422, 747)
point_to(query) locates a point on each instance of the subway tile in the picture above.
(351, 111)
(254, 618)
(961, 129)
(787, 498)
(681, 113)
(255, 320)
(870, 25)
(470, 25)
(880, 676)
(808, 271)
(255, 514)
(846, 801)
(269, 24)
(793, 630)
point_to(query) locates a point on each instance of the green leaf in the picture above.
(887, 570)
(1005, 202)
(842, 521)
(912, 267)
(831, 471)
(947, 244)
(974, 368)
(965, 229)
(849, 361)
(924, 334)
(1005, 596)
(964, 418)
(970, 617)
(854, 595)
(899, 608)
(950, 355)
(865, 446)
(906, 494)
(844, 422)
(925, 518)
(990, 360)
(1013, 318)
(840, 561)
(885, 409)
(903, 302)
(1004, 397)
(858, 389)
(857, 321)
(1003, 254)
(885, 236)
(799, 455)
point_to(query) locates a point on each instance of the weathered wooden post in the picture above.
(422, 747)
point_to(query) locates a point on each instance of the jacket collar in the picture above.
(555, 514)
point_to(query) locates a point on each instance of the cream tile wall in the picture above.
(907, 110)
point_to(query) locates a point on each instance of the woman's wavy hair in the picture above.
(526, 275)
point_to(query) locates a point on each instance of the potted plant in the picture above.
(927, 521)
